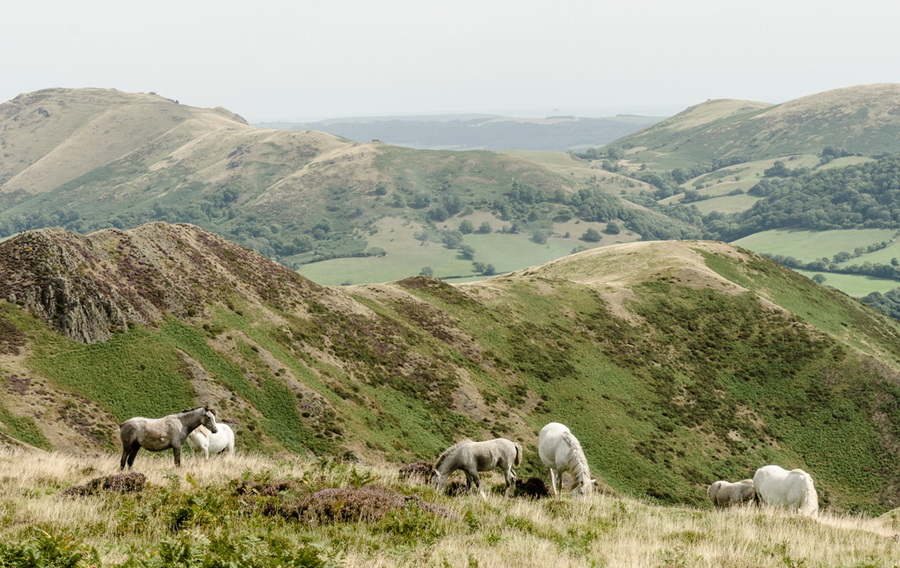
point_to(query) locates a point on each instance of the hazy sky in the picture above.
(308, 59)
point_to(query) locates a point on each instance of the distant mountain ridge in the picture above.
(90, 159)
(487, 132)
(350, 212)
(862, 119)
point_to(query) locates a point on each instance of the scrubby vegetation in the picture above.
(255, 512)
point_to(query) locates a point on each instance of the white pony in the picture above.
(726, 494)
(793, 489)
(212, 442)
(561, 452)
(472, 457)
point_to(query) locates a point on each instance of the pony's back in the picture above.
(551, 445)
(792, 489)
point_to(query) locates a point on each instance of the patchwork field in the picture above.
(811, 245)
(407, 255)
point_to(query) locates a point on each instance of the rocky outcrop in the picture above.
(91, 286)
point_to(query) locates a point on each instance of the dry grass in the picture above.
(492, 532)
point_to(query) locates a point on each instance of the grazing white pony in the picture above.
(727, 494)
(212, 442)
(561, 452)
(793, 489)
(472, 457)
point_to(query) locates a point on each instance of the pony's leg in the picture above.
(177, 451)
(553, 479)
(132, 452)
(510, 481)
(124, 459)
(474, 482)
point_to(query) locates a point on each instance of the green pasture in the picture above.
(749, 173)
(406, 255)
(846, 161)
(808, 246)
(726, 203)
(883, 256)
(854, 284)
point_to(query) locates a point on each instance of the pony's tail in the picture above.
(518, 461)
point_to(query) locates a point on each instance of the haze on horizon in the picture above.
(313, 59)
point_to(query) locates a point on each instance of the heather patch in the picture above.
(131, 482)
(347, 505)
(416, 471)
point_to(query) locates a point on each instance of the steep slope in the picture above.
(862, 119)
(676, 363)
(50, 137)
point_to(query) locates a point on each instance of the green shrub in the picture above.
(47, 551)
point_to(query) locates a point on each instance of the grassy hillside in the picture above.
(90, 159)
(676, 364)
(256, 512)
(858, 119)
(742, 172)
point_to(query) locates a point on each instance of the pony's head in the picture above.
(436, 478)
(209, 419)
(584, 487)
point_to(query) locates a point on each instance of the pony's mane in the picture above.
(810, 497)
(447, 453)
(577, 460)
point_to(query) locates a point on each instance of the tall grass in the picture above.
(194, 516)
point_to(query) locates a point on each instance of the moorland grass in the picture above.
(237, 512)
(136, 373)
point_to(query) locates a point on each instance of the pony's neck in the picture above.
(192, 418)
(444, 462)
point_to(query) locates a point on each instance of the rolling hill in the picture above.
(861, 119)
(821, 167)
(88, 159)
(676, 363)
(342, 212)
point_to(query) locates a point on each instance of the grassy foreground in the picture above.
(253, 511)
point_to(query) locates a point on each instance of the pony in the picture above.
(561, 452)
(777, 487)
(472, 457)
(212, 443)
(158, 434)
(726, 494)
